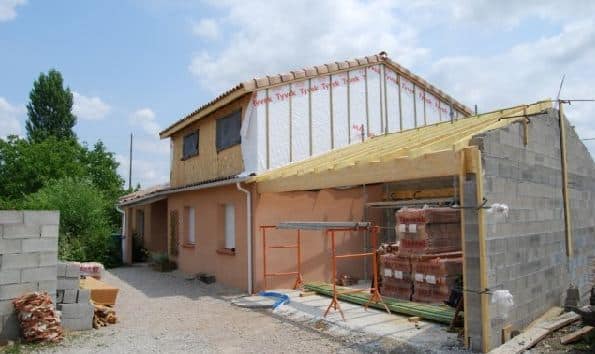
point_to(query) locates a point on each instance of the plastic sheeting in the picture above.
(293, 122)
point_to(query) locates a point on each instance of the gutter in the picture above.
(248, 232)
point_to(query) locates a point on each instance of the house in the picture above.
(326, 143)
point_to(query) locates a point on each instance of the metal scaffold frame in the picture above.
(299, 281)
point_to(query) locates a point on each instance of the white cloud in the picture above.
(146, 172)
(271, 37)
(206, 28)
(8, 9)
(152, 146)
(528, 72)
(145, 118)
(9, 118)
(89, 108)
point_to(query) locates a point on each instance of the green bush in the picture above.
(85, 232)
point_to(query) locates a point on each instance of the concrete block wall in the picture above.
(527, 250)
(28, 257)
(73, 302)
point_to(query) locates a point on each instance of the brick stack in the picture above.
(73, 302)
(396, 276)
(429, 230)
(428, 262)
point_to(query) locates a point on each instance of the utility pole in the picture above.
(130, 166)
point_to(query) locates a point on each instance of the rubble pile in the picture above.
(38, 319)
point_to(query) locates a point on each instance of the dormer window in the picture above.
(228, 130)
(190, 145)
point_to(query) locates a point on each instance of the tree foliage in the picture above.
(50, 109)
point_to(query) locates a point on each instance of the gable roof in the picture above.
(246, 87)
(393, 156)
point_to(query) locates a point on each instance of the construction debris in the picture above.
(39, 320)
(576, 335)
(104, 315)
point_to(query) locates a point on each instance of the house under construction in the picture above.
(361, 141)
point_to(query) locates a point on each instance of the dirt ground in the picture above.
(163, 312)
(551, 344)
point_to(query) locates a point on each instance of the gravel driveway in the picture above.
(162, 312)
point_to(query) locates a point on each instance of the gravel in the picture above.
(163, 312)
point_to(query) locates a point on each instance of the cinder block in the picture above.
(39, 244)
(21, 231)
(12, 291)
(19, 261)
(69, 296)
(68, 283)
(41, 217)
(61, 269)
(84, 296)
(73, 270)
(50, 231)
(38, 274)
(78, 324)
(11, 217)
(76, 310)
(10, 276)
(6, 307)
(48, 258)
(10, 246)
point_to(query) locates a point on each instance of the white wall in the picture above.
(293, 122)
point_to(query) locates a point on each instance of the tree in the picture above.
(50, 109)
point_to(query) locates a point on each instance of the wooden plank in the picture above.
(567, 223)
(533, 336)
(576, 335)
(462, 174)
(439, 164)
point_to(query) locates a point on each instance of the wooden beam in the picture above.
(563, 157)
(462, 173)
(439, 164)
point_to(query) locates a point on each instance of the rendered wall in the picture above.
(210, 220)
(526, 251)
(292, 122)
(28, 259)
(323, 205)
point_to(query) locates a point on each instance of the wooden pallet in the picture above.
(436, 313)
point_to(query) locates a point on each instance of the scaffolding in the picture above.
(331, 229)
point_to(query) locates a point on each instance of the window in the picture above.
(230, 226)
(190, 226)
(228, 130)
(190, 145)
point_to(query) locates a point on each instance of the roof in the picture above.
(393, 156)
(305, 73)
(161, 191)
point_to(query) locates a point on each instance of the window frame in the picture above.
(228, 116)
(190, 225)
(197, 132)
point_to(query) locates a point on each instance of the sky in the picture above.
(137, 66)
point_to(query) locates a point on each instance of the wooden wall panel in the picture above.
(208, 164)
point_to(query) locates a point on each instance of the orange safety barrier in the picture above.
(376, 297)
(299, 281)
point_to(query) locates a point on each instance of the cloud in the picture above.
(145, 118)
(145, 172)
(89, 108)
(267, 37)
(206, 28)
(8, 9)
(9, 118)
(528, 72)
(152, 146)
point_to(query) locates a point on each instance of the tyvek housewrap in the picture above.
(301, 122)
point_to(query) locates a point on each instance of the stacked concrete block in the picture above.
(73, 302)
(526, 252)
(28, 257)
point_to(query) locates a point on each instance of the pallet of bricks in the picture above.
(428, 263)
(73, 303)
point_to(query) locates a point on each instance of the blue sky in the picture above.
(137, 66)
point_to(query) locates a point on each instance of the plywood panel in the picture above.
(209, 163)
